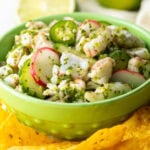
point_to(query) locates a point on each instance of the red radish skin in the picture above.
(51, 49)
(92, 22)
(37, 54)
(126, 76)
(36, 79)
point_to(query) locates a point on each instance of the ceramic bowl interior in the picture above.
(73, 120)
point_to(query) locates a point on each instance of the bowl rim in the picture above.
(31, 99)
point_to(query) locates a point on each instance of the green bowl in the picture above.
(73, 120)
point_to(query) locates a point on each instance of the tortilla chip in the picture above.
(3, 114)
(54, 146)
(2, 147)
(130, 135)
(103, 139)
(14, 133)
(134, 144)
(138, 124)
(134, 134)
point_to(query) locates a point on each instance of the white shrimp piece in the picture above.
(41, 40)
(108, 90)
(5, 71)
(52, 90)
(26, 39)
(35, 25)
(55, 74)
(135, 63)
(45, 31)
(85, 28)
(92, 96)
(95, 46)
(64, 84)
(98, 44)
(79, 46)
(70, 91)
(73, 65)
(78, 84)
(125, 39)
(101, 71)
(14, 57)
(113, 29)
(113, 89)
(12, 80)
(139, 52)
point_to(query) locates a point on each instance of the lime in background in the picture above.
(121, 4)
(31, 9)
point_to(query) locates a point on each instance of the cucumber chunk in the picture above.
(121, 58)
(27, 82)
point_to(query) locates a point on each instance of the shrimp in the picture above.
(51, 90)
(5, 71)
(26, 39)
(78, 84)
(108, 90)
(70, 91)
(135, 64)
(139, 52)
(74, 66)
(55, 74)
(95, 43)
(67, 91)
(86, 28)
(41, 40)
(12, 80)
(35, 25)
(101, 71)
(79, 46)
(15, 56)
(140, 65)
(123, 38)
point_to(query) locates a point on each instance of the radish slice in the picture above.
(87, 26)
(130, 77)
(42, 62)
(94, 23)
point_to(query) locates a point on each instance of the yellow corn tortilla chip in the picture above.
(3, 147)
(138, 124)
(130, 135)
(14, 133)
(3, 114)
(134, 144)
(103, 139)
(134, 134)
(54, 146)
